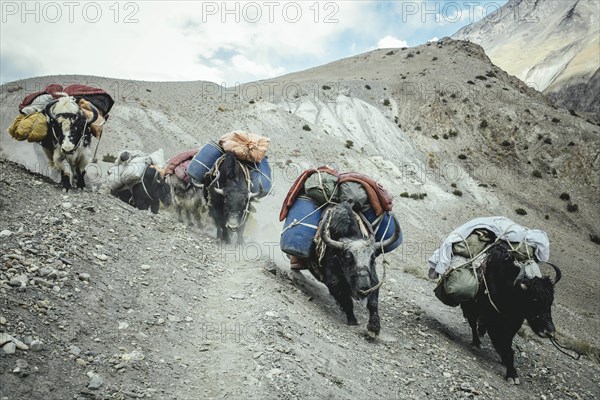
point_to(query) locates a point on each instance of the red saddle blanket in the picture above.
(178, 164)
(379, 198)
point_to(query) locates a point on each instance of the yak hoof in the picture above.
(373, 328)
(513, 381)
(372, 335)
(352, 320)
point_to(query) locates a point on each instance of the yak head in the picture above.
(537, 296)
(164, 191)
(234, 191)
(352, 251)
(69, 123)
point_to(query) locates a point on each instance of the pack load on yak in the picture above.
(461, 256)
(314, 190)
(490, 267)
(32, 125)
(130, 165)
(248, 148)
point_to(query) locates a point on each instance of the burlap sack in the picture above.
(245, 146)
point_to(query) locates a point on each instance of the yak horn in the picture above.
(520, 277)
(558, 273)
(48, 109)
(219, 191)
(325, 233)
(95, 113)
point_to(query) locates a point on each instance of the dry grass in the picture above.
(417, 272)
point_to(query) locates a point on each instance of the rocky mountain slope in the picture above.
(101, 301)
(553, 45)
(439, 119)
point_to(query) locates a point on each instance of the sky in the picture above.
(227, 42)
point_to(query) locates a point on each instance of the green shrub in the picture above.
(572, 207)
(326, 87)
(418, 196)
(457, 192)
(483, 124)
(349, 144)
(595, 238)
(521, 211)
(536, 174)
(386, 102)
(565, 196)
(306, 128)
(462, 157)
(109, 158)
(404, 194)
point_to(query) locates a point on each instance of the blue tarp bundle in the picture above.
(303, 219)
(260, 175)
(384, 227)
(300, 227)
(204, 160)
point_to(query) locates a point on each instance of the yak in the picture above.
(512, 298)
(347, 266)
(149, 193)
(67, 144)
(187, 197)
(229, 198)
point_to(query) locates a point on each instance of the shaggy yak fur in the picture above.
(518, 298)
(348, 265)
(67, 144)
(229, 198)
(157, 191)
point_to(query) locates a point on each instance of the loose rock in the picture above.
(96, 382)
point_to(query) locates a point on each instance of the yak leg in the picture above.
(240, 234)
(154, 206)
(198, 219)
(188, 215)
(469, 310)
(178, 210)
(502, 341)
(343, 298)
(374, 324)
(225, 235)
(80, 178)
(66, 181)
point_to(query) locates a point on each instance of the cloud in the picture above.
(176, 41)
(391, 41)
(433, 39)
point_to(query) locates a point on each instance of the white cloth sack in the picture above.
(503, 227)
(126, 173)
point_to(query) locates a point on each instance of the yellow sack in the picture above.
(12, 129)
(245, 146)
(32, 127)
